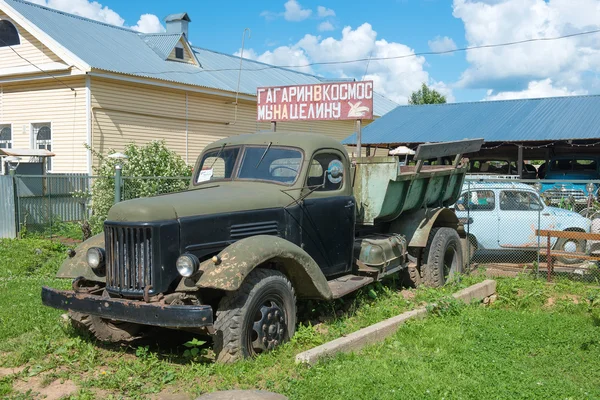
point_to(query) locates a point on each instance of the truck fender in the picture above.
(76, 265)
(417, 226)
(236, 261)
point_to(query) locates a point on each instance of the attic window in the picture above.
(9, 36)
(179, 53)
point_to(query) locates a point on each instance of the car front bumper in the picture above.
(135, 311)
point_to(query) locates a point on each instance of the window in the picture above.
(42, 136)
(476, 200)
(9, 36)
(326, 172)
(514, 200)
(217, 164)
(567, 164)
(276, 164)
(5, 137)
(179, 53)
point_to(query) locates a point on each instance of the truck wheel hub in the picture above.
(269, 327)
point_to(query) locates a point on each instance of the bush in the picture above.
(149, 161)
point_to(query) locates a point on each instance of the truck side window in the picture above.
(476, 200)
(320, 172)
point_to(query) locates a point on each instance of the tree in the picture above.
(150, 170)
(425, 95)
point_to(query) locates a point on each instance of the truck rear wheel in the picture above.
(443, 257)
(256, 318)
(103, 329)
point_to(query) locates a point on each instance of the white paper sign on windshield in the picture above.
(205, 175)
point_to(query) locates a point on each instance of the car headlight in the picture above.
(590, 187)
(187, 265)
(95, 259)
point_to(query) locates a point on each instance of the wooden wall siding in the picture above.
(123, 113)
(186, 55)
(49, 101)
(30, 48)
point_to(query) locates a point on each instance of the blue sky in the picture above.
(296, 32)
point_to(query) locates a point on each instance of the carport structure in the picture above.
(525, 129)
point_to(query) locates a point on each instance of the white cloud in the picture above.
(535, 89)
(325, 26)
(93, 10)
(295, 12)
(441, 44)
(148, 23)
(324, 12)
(396, 79)
(571, 64)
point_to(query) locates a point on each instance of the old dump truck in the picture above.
(268, 218)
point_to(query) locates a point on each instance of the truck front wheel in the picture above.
(443, 257)
(256, 318)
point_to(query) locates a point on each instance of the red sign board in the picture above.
(320, 102)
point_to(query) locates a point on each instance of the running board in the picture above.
(348, 284)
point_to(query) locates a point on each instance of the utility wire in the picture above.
(45, 72)
(369, 59)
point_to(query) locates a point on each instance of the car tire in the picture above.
(105, 330)
(258, 317)
(443, 256)
(562, 243)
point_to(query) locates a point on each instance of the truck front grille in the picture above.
(129, 259)
(557, 194)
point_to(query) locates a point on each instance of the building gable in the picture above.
(182, 52)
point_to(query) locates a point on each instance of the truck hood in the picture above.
(224, 197)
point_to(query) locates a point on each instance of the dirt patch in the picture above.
(321, 329)
(408, 294)
(54, 391)
(10, 371)
(169, 395)
(575, 299)
(550, 302)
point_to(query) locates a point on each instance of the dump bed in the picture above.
(384, 189)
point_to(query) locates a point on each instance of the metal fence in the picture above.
(502, 217)
(541, 227)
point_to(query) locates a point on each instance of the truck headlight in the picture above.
(95, 259)
(187, 265)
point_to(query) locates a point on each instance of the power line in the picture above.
(369, 59)
(45, 72)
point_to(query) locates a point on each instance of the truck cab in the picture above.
(268, 218)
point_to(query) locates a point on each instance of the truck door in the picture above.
(477, 211)
(328, 215)
(519, 215)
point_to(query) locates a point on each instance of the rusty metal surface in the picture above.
(135, 311)
(434, 150)
(76, 266)
(239, 259)
(417, 226)
(569, 235)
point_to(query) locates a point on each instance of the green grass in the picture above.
(534, 342)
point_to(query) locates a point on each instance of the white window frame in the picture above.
(11, 143)
(33, 140)
(18, 32)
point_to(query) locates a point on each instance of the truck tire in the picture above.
(105, 330)
(570, 245)
(256, 318)
(442, 258)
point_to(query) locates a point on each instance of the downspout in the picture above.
(88, 122)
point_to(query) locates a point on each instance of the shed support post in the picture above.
(520, 161)
(273, 126)
(358, 138)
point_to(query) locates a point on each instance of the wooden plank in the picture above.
(577, 256)
(569, 234)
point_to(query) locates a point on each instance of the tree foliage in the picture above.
(426, 95)
(149, 170)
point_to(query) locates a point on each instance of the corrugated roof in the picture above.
(162, 43)
(548, 119)
(121, 50)
(177, 17)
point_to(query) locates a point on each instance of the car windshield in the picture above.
(266, 163)
(573, 164)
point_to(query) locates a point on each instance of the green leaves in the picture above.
(425, 95)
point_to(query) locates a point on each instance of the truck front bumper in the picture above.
(135, 311)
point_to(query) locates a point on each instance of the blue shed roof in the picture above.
(548, 119)
(121, 50)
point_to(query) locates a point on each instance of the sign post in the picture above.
(319, 102)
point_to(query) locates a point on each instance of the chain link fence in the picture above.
(540, 227)
(502, 217)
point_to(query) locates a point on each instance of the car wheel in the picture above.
(256, 318)
(570, 246)
(444, 256)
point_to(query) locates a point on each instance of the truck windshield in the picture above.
(275, 164)
(217, 164)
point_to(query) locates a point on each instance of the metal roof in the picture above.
(162, 43)
(548, 119)
(178, 17)
(121, 50)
